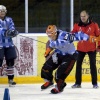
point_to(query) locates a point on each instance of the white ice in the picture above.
(33, 92)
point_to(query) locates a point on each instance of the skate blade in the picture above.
(47, 88)
(11, 85)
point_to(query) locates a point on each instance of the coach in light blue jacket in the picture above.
(7, 49)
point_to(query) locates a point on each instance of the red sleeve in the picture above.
(74, 28)
(97, 31)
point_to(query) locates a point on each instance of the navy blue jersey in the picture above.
(63, 45)
(6, 24)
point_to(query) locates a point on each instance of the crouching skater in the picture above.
(63, 58)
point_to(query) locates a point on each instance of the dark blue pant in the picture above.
(8, 53)
(93, 69)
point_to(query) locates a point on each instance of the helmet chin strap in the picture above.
(56, 33)
(54, 37)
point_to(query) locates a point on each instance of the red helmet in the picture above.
(51, 31)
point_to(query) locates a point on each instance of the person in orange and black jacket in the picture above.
(86, 25)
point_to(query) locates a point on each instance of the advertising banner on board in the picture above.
(30, 57)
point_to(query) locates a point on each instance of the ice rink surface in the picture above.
(33, 92)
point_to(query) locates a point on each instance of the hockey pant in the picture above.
(64, 67)
(10, 68)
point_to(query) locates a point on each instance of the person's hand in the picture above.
(98, 38)
(48, 50)
(11, 33)
(46, 54)
(92, 39)
(69, 37)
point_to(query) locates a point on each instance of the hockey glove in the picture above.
(69, 37)
(11, 33)
(47, 52)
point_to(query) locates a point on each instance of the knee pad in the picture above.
(10, 62)
(1, 61)
(46, 72)
(64, 70)
(60, 72)
(47, 68)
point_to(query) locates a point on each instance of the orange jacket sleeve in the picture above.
(74, 29)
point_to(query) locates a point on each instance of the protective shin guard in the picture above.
(10, 71)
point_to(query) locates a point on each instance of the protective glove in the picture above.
(92, 39)
(11, 33)
(47, 52)
(69, 37)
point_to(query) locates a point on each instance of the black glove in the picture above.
(69, 37)
(11, 33)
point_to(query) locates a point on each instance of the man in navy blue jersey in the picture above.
(7, 48)
(63, 58)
